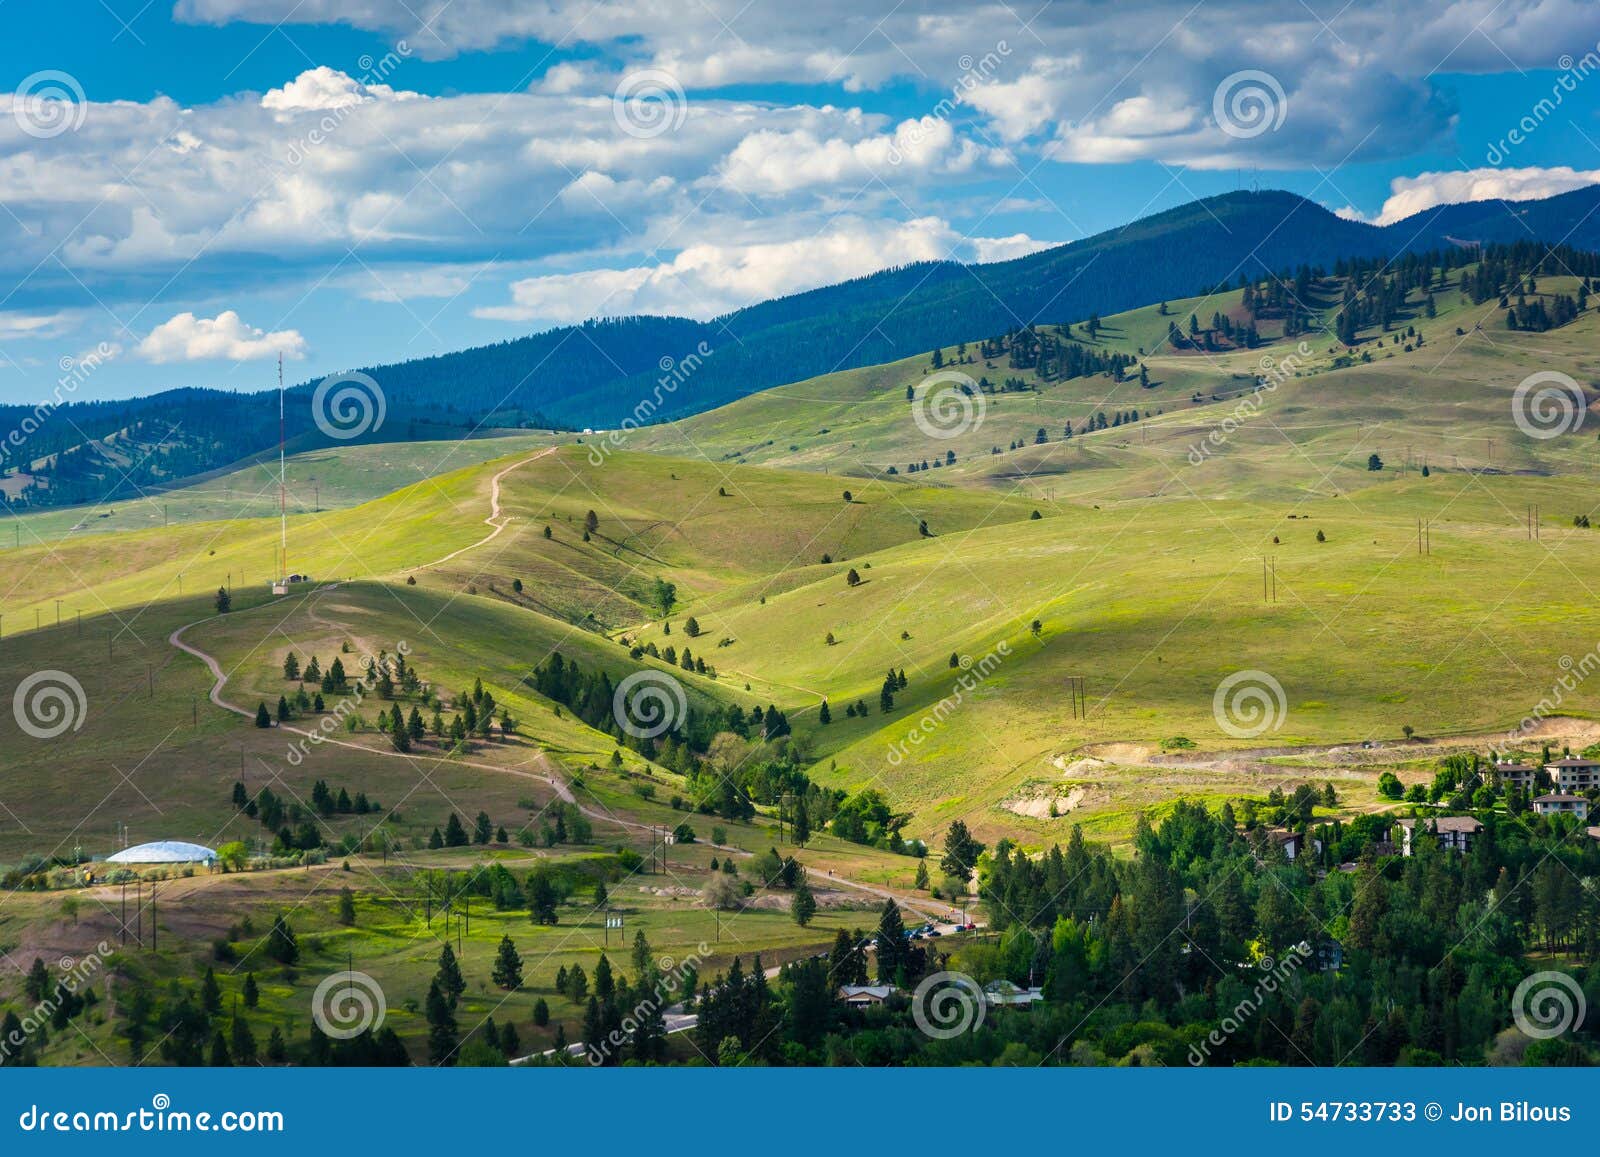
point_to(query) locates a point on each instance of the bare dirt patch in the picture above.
(1037, 805)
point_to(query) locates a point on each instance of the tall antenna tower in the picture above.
(283, 492)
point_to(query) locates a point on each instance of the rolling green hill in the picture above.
(1129, 554)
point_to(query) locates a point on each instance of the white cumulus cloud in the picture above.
(324, 88)
(187, 338)
(1408, 195)
(707, 280)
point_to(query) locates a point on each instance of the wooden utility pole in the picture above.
(1269, 578)
(1078, 695)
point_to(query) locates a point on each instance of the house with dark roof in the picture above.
(1454, 833)
(1515, 774)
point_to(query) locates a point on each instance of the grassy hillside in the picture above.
(1143, 570)
(329, 478)
(718, 532)
(1203, 425)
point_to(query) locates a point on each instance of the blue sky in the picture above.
(192, 190)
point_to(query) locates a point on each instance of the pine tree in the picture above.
(804, 905)
(605, 985)
(263, 718)
(893, 948)
(449, 978)
(961, 852)
(541, 900)
(347, 906)
(593, 1027)
(441, 1027)
(224, 604)
(507, 971)
(210, 993)
(291, 666)
(252, 991)
(281, 944)
(243, 1044)
(921, 882)
(455, 835)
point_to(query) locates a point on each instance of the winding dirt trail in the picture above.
(497, 522)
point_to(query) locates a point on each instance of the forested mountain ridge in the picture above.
(597, 374)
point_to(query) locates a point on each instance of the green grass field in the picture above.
(1142, 575)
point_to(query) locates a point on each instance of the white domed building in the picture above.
(165, 852)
